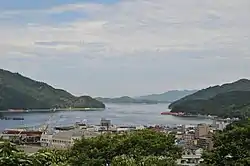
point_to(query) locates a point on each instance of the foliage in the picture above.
(169, 96)
(143, 161)
(232, 146)
(11, 156)
(134, 146)
(19, 92)
(228, 100)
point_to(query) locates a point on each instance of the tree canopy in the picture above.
(134, 147)
(228, 100)
(143, 148)
(19, 92)
(231, 147)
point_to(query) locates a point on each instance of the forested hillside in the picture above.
(19, 92)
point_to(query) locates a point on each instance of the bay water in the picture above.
(119, 114)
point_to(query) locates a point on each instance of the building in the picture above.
(65, 139)
(201, 130)
(191, 157)
(205, 143)
(21, 136)
(221, 125)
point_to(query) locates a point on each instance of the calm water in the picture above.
(133, 114)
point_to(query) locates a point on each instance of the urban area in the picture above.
(193, 139)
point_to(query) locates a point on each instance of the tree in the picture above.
(10, 156)
(144, 161)
(142, 148)
(48, 157)
(134, 146)
(231, 147)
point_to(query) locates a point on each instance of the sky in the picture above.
(126, 47)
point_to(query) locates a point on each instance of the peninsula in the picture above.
(126, 100)
(227, 100)
(19, 92)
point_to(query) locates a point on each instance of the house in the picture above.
(191, 157)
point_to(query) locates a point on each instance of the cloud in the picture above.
(198, 33)
(144, 25)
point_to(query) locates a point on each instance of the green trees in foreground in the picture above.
(143, 148)
(231, 147)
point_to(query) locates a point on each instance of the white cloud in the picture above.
(208, 31)
(143, 25)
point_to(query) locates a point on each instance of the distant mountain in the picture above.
(19, 92)
(231, 99)
(125, 100)
(169, 96)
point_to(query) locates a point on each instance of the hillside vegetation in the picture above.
(169, 96)
(227, 100)
(19, 92)
(126, 100)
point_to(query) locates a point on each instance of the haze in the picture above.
(130, 47)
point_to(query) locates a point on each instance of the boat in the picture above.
(64, 128)
(77, 109)
(11, 118)
(172, 113)
(18, 110)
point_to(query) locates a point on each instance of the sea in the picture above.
(119, 114)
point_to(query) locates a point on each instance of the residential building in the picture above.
(201, 130)
(205, 143)
(191, 157)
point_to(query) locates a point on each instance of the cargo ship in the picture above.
(173, 113)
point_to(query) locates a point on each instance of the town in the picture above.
(193, 139)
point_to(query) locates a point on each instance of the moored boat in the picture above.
(172, 113)
(11, 118)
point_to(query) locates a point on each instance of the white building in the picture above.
(191, 157)
(65, 139)
(221, 125)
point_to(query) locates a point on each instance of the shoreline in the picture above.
(45, 110)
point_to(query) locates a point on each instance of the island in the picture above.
(227, 100)
(18, 92)
(125, 100)
(167, 97)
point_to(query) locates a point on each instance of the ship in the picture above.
(173, 113)
(11, 118)
(18, 110)
(76, 109)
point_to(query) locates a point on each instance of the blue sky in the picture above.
(44, 4)
(126, 47)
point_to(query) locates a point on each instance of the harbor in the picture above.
(59, 130)
(192, 138)
(38, 128)
(125, 114)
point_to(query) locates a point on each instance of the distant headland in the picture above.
(19, 92)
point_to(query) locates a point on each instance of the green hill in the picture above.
(227, 100)
(19, 92)
(125, 100)
(169, 96)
